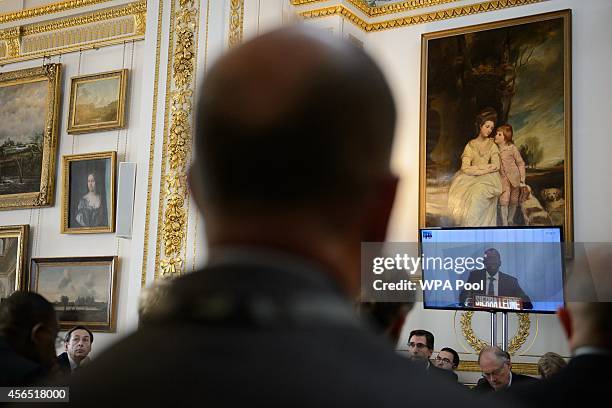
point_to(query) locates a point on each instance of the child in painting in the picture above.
(512, 171)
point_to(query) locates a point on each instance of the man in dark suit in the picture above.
(496, 283)
(291, 173)
(28, 329)
(588, 327)
(420, 348)
(77, 346)
(497, 371)
(447, 359)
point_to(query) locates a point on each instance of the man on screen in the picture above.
(496, 283)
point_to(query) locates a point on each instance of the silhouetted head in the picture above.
(293, 141)
(29, 324)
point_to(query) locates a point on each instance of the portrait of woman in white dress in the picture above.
(475, 189)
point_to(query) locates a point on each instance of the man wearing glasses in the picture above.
(497, 371)
(420, 347)
(447, 359)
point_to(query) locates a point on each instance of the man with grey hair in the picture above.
(497, 371)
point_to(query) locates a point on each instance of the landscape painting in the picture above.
(495, 142)
(13, 247)
(97, 102)
(82, 290)
(28, 136)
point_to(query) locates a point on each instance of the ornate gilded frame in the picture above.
(75, 82)
(45, 194)
(20, 232)
(67, 160)
(565, 16)
(110, 261)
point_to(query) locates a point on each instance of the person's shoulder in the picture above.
(482, 386)
(522, 378)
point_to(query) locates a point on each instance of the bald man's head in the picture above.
(291, 120)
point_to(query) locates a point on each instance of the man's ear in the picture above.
(566, 321)
(36, 333)
(380, 209)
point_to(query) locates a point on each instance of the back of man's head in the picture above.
(292, 121)
(29, 324)
(587, 324)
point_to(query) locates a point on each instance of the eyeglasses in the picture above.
(443, 360)
(417, 345)
(494, 373)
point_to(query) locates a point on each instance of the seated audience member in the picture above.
(420, 348)
(447, 359)
(291, 172)
(386, 317)
(550, 364)
(28, 330)
(497, 371)
(77, 346)
(586, 377)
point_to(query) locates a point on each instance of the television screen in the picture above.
(509, 268)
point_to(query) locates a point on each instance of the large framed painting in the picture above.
(81, 289)
(495, 137)
(97, 102)
(13, 255)
(88, 193)
(29, 108)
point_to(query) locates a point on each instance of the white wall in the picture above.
(45, 237)
(398, 51)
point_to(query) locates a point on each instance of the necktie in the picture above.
(491, 288)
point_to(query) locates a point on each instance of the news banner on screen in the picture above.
(512, 269)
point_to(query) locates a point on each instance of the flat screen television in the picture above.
(493, 268)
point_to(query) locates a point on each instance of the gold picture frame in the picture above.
(88, 193)
(97, 102)
(29, 109)
(83, 290)
(517, 71)
(13, 258)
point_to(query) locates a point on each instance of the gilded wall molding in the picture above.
(478, 344)
(172, 215)
(236, 22)
(92, 30)
(145, 252)
(47, 9)
(461, 11)
(382, 10)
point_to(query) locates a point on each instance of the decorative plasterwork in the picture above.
(145, 252)
(392, 8)
(47, 9)
(478, 344)
(236, 22)
(415, 19)
(172, 227)
(92, 30)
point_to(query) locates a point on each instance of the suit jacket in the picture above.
(585, 375)
(447, 375)
(253, 335)
(64, 363)
(16, 370)
(483, 386)
(507, 286)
